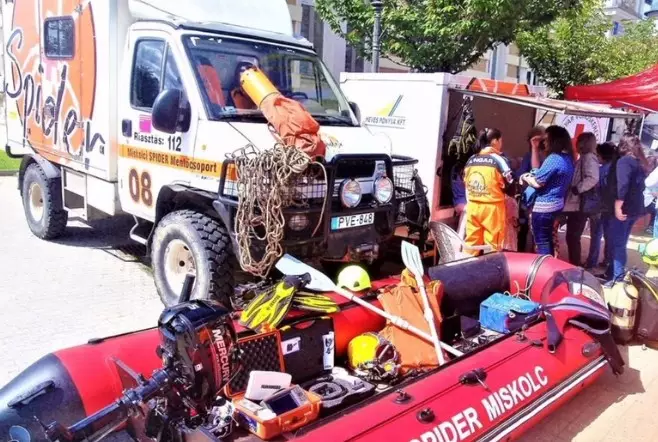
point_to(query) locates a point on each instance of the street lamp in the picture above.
(377, 5)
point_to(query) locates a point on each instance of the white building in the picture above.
(623, 10)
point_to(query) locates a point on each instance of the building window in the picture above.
(59, 37)
(312, 27)
(353, 61)
(514, 49)
(513, 71)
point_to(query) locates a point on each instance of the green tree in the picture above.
(574, 48)
(633, 51)
(570, 50)
(439, 35)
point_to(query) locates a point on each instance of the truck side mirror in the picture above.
(171, 112)
(356, 110)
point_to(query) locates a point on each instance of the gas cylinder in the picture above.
(622, 300)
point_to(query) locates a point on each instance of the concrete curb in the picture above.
(8, 172)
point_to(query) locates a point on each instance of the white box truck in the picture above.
(129, 107)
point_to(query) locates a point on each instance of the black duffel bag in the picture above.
(646, 325)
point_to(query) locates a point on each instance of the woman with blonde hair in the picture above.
(576, 208)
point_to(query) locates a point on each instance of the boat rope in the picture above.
(267, 183)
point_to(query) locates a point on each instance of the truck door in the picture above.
(148, 158)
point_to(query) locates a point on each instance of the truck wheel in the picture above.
(42, 203)
(188, 241)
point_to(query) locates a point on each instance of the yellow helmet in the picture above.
(373, 357)
(354, 278)
(649, 252)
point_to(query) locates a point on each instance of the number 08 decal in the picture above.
(139, 186)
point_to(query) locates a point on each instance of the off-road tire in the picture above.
(211, 248)
(53, 221)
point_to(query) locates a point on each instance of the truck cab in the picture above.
(148, 115)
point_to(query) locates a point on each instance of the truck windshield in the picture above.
(299, 75)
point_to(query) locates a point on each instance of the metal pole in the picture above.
(378, 6)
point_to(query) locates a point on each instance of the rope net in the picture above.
(269, 182)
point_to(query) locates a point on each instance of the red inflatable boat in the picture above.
(523, 376)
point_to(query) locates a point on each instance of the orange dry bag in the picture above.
(290, 120)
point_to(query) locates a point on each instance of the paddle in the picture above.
(320, 282)
(412, 261)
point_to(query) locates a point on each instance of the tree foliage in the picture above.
(633, 51)
(574, 49)
(438, 35)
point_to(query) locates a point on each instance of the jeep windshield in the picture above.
(297, 74)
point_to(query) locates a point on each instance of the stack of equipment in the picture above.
(339, 390)
(284, 411)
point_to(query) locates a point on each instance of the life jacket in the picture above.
(211, 81)
(486, 175)
(580, 310)
(404, 300)
(584, 309)
(241, 100)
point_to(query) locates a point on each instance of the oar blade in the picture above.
(289, 265)
(411, 259)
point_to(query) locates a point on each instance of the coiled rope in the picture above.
(267, 183)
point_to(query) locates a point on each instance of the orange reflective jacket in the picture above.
(485, 176)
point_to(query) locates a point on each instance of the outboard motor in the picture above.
(199, 352)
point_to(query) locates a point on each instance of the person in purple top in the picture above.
(629, 173)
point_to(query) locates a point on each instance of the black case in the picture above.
(258, 352)
(303, 348)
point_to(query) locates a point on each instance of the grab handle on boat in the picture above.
(477, 376)
(30, 395)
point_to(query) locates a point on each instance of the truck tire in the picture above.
(188, 241)
(42, 203)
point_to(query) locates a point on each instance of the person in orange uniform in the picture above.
(486, 176)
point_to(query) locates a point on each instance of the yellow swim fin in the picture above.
(314, 302)
(269, 308)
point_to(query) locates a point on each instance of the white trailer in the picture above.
(419, 113)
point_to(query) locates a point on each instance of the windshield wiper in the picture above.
(332, 119)
(258, 116)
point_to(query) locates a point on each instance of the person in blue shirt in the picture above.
(630, 171)
(552, 182)
(598, 224)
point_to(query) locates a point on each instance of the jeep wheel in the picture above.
(187, 241)
(42, 203)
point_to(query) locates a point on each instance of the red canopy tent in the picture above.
(638, 91)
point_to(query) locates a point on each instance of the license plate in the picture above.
(347, 222)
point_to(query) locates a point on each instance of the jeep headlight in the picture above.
(383, 190)
(350, 193)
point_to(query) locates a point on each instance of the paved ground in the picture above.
(55, 295)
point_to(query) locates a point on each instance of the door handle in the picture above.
(126, 127)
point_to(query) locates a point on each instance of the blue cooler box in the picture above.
(496, 309)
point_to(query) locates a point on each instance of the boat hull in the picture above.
(524, 382)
